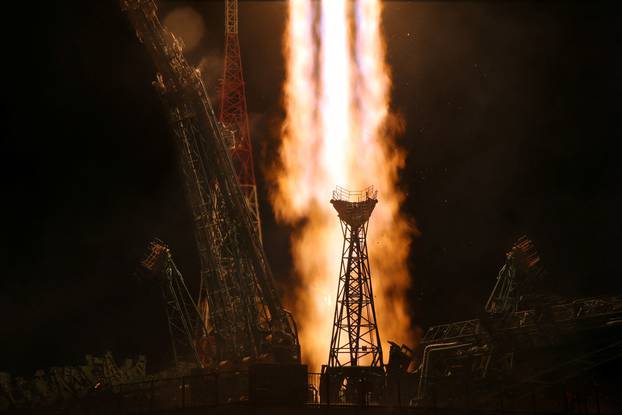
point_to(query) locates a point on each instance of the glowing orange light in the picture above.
(338, 131)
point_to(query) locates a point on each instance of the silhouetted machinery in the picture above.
(517, 280)
(523, 344)
(246, 322)
(185, 323)
(234, 116)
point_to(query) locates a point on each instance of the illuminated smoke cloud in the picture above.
(339, 130)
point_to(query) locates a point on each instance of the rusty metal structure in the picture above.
(245, 319)
(234, 116)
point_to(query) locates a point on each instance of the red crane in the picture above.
(233, 114)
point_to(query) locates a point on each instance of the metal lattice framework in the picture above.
(573, 336)
(355, 339)
(233, 113)
(521, 269)
(242, 308)
(185, 322)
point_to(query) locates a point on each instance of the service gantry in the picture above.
(185, 323)
(244, 314)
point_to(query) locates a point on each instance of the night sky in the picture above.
(512, 121)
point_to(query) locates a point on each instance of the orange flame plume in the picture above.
(339, 131)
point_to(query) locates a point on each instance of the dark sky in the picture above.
(512, 127)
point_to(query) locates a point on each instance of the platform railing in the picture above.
(355, 196)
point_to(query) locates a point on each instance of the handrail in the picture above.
(355, 196)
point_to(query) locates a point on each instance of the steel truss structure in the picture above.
(570, 337)
(355, 339)
(185, 323)
(243, 311)
(234, 116)
(516, 278)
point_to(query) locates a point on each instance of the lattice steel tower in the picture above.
(233, 115)
(242, 307)
(355, 340)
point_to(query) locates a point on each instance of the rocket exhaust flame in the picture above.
(339, 131)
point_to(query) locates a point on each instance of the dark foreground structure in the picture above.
(214, 394)
(525, 355)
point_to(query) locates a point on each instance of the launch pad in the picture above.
(236, 349)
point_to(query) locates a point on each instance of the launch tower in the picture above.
(355, 340)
